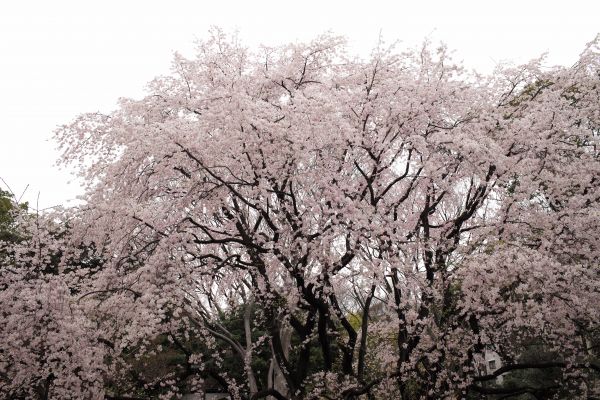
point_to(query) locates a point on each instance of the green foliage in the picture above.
(233, 322)
(8, 228)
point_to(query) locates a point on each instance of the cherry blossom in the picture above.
(376, 224)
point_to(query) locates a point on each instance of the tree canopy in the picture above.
(373, 226)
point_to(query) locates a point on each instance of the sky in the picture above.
(62, 58)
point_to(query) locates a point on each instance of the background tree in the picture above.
(9, 207)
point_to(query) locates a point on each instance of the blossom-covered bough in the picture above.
(374, 225)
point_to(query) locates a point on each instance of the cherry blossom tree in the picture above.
(49, 346)
(375, 226)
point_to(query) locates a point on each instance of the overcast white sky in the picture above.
(61, 58)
